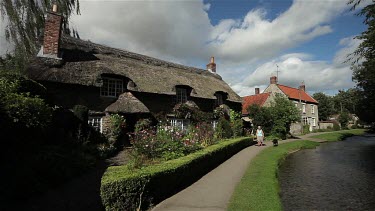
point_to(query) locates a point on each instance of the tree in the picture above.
(325, 105)
(344, 119)
(277, 118)
(284, 113)
(25, 22)
(346, 100)
(364, 64)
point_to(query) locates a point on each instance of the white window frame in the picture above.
(312, 109)
(304, 108)
(96, 122)
(314, 121)
(181, 95)
(214, 124)
(305, 120)
(112, 87)
(182, 124)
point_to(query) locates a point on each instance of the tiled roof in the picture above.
(258, 99)
(295, 94)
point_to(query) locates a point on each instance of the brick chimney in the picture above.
(273, 80)
(256, 91)
(212, 66)
(52, 33)
(302, 87)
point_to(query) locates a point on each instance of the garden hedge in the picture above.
(123, 188)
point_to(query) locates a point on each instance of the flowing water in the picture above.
(334, 176)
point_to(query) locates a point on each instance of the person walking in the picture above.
(260, 136)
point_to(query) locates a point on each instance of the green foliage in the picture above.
(261, 116)
(186, 111)
(28, 111)
(223, 129)
(124, 188)
(306, 129)
(116, 129)
(344, 119)
(259, 188)
(336, 127)
(339, 136)
(142, 124)
(236, 123)
(364, 64)
(81, 112)
(326, 105)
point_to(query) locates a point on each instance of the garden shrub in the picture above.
(81, 112)
(116, 129)
(124, 188)
(142, 124)
(336, 127)
(223, 129)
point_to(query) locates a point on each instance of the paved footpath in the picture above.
(213, 191)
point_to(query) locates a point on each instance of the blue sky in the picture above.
(307, 39)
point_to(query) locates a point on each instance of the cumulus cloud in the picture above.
(295, 68)
(181, 30)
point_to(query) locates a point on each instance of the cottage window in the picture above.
(305, 120)
(214, 124)
(181, 124)
(96, 123)
(181, 95)
(312, 109)
(313, 122)
(219, 99)
(304, 108)
(112, 87)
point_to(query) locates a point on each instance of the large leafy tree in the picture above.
(364, 64)
(325, 105)
(25, 22)
(277, 118)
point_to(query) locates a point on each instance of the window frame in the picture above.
(312, 109)
(181, 95)
(313, 121)
(96, 122)
(181, 124)
(219, 99)
(304, 108)
(116, 88)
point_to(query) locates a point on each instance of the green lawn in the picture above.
(259, 188)
(339, 135)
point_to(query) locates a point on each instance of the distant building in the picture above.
(300, 98)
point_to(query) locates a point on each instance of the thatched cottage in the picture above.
(298, 96)
(109, 80)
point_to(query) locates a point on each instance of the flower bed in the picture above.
(124, 188)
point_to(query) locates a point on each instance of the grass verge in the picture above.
(259, 188)
(339, 135)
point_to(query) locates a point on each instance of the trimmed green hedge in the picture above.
(124, 189)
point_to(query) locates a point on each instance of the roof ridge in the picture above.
(137, 56)
(267, 93)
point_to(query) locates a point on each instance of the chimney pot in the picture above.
(302, 87)
(256, 91)
(211, 66)
(54, 8)
(273, 80)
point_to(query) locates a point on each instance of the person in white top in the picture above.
(260, 136)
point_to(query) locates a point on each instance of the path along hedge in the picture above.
(123, 188)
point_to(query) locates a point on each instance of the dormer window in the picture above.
(112, 87)
(181, 95)
(219, 99)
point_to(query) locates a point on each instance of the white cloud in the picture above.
(181, 30)
(295, 68)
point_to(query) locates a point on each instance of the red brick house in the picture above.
(109, 80)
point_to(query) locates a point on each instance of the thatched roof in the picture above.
(84, 62)
(127, 103)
